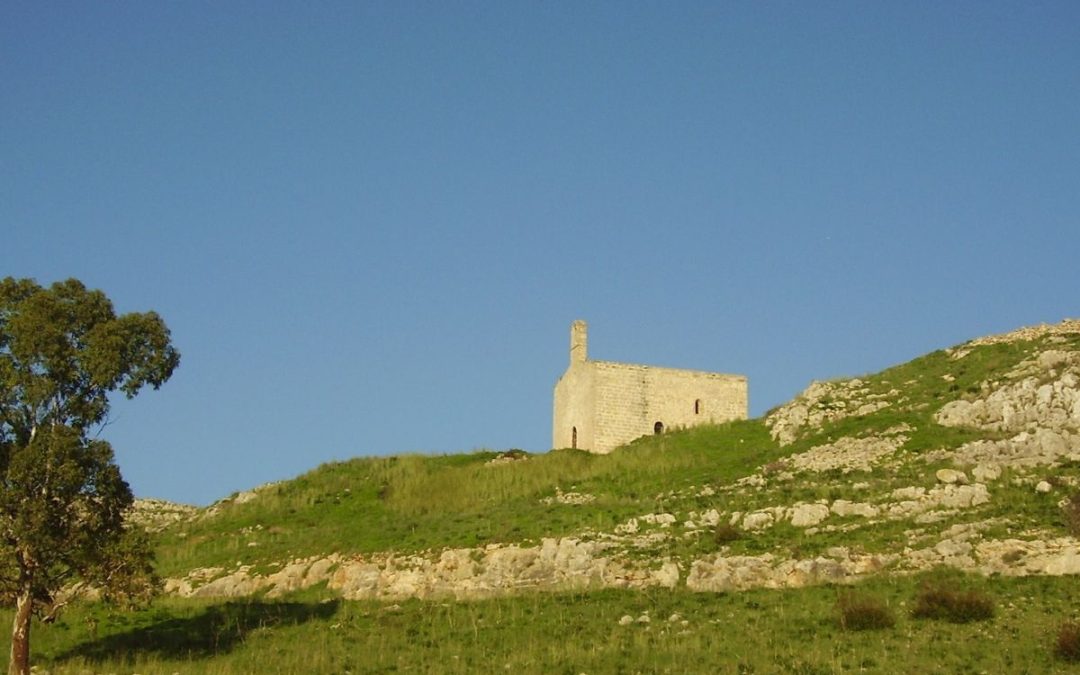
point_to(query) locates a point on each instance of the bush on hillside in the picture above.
(1071, 511)
(1067, 647)
(935, 601)
(860, 612)
(726, 533)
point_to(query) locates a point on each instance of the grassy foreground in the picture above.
(763, 631)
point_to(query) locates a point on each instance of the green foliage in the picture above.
(62, 499)
(863, 612)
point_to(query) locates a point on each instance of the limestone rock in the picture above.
(845, 508)
(155, 515)
(984, 473)
(951, 476)
(806, 515)
(757, 520)
(823, 402)
(849, 454)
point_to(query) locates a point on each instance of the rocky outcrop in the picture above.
(1068, 327)
(720, 573)
(1041, 406)
(1025, 405)
(155, 515)
(824, 402)
(849, 454)
(556, 564)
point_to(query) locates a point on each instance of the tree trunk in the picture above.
(20, 634)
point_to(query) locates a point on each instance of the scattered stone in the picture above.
(849, 454)
(1066, 328)
(951, 476)
(244, 497)
(1043, 487)
(845, 508)
(824, 402)
(571, 498)
(154, 515)
(984, 473)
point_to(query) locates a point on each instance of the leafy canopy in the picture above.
(63, 350)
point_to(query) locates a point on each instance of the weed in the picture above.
(1071, 512)
(775, 467)
(935, 601)
(726, 533)
(862, 612)
(1067, 646)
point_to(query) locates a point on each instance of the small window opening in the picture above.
(697, 407)
(658, 428)
(573, 438)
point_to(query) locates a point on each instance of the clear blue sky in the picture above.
(369, 225)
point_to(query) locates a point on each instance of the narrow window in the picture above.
(658, 428)
(697, 407)
(573, 438)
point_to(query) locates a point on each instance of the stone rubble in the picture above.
(848, 454)
(154, 515)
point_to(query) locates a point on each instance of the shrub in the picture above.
(774, 467)
(726, 532)
(1071, 512)
(937, 602)
(1068, 642)
(857, 612)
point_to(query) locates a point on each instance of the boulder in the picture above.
(806, 515)
(951, 476)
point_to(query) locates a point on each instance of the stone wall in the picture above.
(631, 400)
(610, 404)
(574, 403)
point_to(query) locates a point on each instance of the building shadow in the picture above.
(215, 630)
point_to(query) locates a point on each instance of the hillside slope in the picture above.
(967, 457)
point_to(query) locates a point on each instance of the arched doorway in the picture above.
(658, 428)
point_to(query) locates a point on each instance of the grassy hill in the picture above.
(413, 503)
(966, 459)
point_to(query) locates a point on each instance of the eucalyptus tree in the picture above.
(63, 351)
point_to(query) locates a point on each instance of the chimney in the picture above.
(579, 338)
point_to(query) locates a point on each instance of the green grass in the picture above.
(760, 631)
(413, 503)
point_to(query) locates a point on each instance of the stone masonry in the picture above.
(600, 405)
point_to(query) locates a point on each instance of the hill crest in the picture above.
(967, 457)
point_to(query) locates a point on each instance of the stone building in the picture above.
(600, 405)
